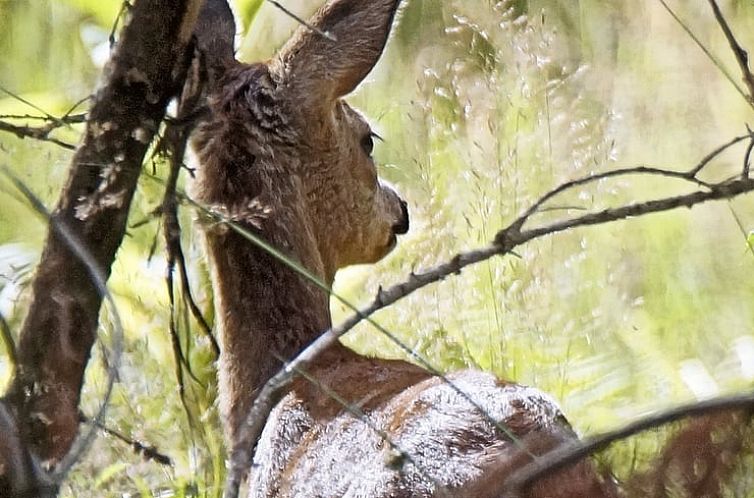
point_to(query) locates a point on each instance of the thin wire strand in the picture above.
(323, 34)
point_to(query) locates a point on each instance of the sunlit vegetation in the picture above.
(483, 107)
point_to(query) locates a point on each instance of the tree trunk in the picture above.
(60, 328)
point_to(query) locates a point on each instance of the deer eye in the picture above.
(367, 143)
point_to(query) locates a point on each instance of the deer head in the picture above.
(281, 139)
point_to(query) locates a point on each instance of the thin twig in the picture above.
(30, 104)
(741, 228)
(512, 238)
(570, 453)
(37, 133)
(638, 170)
(189, 301)
(147, 451)
(70, 118)
(8, 342)
(121, 12)
(180, 359)
(747, 156)
(740, 54)
(707, 52)
(323, 34)
(173, 146)
(172, 234)
(689, 175)
(42, 133)
(67, 119)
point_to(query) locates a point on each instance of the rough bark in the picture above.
(60, 328)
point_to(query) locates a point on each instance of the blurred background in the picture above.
(483, 106)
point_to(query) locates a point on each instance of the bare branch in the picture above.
(41, 133)
(30, 104)
(747, 157)
(124, 7)
(147, 451)
(573, 452)
(173, 146)
(740, 54)
(709, 157)
(725, 190)
(68, 119)
(190, 109)
(176, 137)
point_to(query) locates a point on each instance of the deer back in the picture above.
(411, 434)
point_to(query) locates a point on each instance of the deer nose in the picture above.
(402, 226)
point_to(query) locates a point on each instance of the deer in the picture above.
(281, 154)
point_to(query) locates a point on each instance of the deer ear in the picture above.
(215, 29)
(326, 68)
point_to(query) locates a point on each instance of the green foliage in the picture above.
(248, 10)
(102, 12)
(108, 473)
(484, 107)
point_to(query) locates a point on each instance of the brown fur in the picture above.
(698, 460)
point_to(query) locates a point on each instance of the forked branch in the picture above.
(42, 133)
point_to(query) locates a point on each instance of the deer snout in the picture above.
(401, 226)
(397, 209)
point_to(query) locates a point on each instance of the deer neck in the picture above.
(265, 311)
(250, 173)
